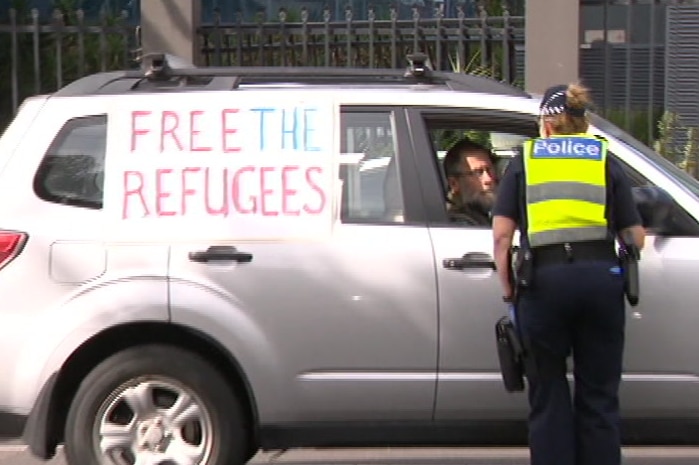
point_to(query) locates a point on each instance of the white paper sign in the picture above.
(243, 167)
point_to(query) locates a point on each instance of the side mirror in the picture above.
(655, 206)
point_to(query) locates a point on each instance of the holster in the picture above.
(629, 267)
(522, 268)
(510, 349)
(629, 255)
(510, 355)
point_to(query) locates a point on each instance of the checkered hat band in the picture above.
(556, 104)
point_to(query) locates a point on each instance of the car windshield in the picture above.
(684, 178)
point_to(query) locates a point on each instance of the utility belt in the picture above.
(569, 252)
(527, 260)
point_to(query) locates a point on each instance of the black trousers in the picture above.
(574, 309)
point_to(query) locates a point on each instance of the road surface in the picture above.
(15, 454)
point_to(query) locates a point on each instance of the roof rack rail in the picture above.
(418, 67)
(156, 67)
(157, 73)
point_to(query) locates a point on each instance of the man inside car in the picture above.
(472, 182)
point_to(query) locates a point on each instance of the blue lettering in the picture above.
(567, 147)
(309, 127)
(293, 131)
(298, 131)
(263, 132)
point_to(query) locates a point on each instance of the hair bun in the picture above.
(577, 96)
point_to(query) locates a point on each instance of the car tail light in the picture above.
(11, 245)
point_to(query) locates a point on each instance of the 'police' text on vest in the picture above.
(568, 147)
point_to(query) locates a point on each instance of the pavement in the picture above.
(12, 453)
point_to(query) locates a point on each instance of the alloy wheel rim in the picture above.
(153, 421)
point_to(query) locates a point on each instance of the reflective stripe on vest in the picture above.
(566, 189)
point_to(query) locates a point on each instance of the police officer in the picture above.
(569, 200)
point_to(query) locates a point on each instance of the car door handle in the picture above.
(220, 253)
(470, 261)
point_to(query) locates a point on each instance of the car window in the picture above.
(679, 222)
(72, 170)
(371, 190)
(503, 145)
(686, 179)
(502, 136)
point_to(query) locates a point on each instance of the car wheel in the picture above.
(155, 405)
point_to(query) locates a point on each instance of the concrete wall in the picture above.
(170, 26)
(552, 43)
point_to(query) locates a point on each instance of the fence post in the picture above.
(170, 26)
(552, 43)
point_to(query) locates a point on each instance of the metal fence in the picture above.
(229, 9)
(483, 44)
(44, 56)
(640, 57)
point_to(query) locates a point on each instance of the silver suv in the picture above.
(199, 263)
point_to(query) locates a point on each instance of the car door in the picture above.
(470, 296)
(341, 327)
(661, 373)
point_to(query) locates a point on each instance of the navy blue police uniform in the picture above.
(573, 307)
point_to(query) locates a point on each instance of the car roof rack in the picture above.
(157, 74)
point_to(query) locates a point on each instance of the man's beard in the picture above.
(484, 200)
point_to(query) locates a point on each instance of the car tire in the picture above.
(160, 401)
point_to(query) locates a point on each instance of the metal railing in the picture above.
(483, 44)
(44, 56)
(627, 72)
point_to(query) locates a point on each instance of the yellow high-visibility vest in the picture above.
(566, 185)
